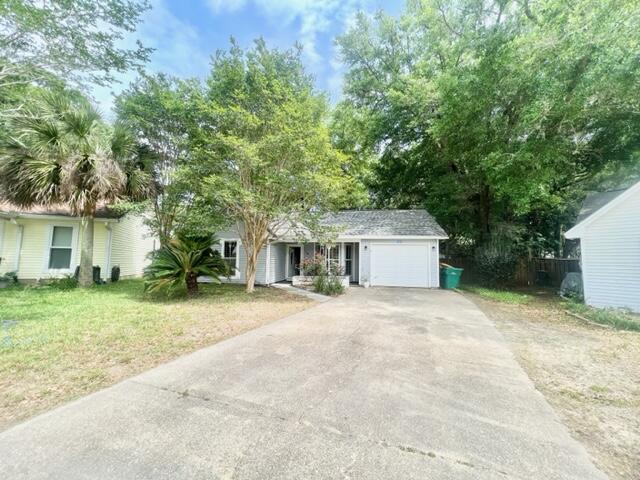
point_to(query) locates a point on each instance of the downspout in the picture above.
(1, 241)
(19, 233)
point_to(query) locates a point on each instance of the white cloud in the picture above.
(177, 50)
(314, 16)
(226, 5)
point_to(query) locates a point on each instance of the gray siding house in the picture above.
(398, 248)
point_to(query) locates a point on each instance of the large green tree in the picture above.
(77, 40)
(59, 152)
(495, 111)
(261, 151)
(157, 109)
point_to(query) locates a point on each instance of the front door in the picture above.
(348, 260)
(293, 263)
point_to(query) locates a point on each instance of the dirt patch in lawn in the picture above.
(56, 346)
(589, 374)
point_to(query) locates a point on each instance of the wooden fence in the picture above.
(535, 271)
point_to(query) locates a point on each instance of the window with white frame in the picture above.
(61, 248)
(331, 255)
(230, 255)
(333, 258)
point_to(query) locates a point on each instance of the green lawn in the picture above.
(618, 319)
(58, 344)
(504, 296)
(615, 318)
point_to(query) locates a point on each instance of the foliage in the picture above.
(11, 277)
(61, 153)
(315, 266)
(616, 318)
(261, 151)
(504, 296)
(495, 265)
(179, 263)
(328, 285)
(154, 107)
(71, 40)
(68, 282)
(491, 111)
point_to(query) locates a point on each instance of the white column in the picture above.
(267, 273)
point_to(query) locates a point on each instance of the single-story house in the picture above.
(609, 231)
(40, 243)
(398, 248)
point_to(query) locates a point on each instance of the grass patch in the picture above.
(616, 318)
(59, 344)
(504, 296)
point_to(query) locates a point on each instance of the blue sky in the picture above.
(185, 34)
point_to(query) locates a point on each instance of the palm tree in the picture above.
(60, 152)
(180, 262)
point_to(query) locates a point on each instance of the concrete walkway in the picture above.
(378, 384)
(287, 287)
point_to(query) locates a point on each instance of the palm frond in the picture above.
(60, 151)
(123, 143)
(80, 122)
(179, 258)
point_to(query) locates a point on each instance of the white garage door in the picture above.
(401, 265)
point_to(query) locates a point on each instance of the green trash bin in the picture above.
(450, 277)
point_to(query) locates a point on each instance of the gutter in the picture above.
(43, 216)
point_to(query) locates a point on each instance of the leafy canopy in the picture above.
(261, 150)
(494, 111)
(156, 107)
(74, 40)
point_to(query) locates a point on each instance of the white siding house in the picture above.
(40, 243)
(609, 233)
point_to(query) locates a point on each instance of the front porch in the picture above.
(340, 256)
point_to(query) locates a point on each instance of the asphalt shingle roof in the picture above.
(61, 210)
(384, 223)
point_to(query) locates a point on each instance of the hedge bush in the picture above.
(495, 266)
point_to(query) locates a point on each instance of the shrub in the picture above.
(180, 262)
(328, 285)
(314, 267)
(68, 282)
(495, 265)
(9, 277)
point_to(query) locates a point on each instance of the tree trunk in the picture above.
(192, 285)
(85, 277)
(255, 237)
(252, 261)
(484, 213)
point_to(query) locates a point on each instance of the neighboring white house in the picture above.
(609, 231)
(45, 242)
(397, 248)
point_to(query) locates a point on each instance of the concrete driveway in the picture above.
(379, 384)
